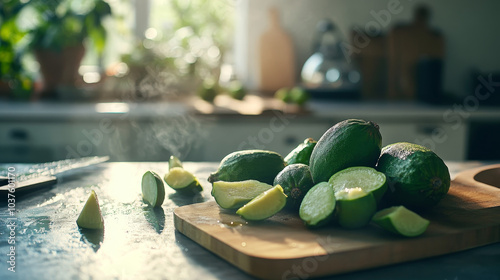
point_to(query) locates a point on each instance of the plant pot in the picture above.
(59, 68)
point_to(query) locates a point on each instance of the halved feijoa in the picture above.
(366, 178)
(153, 190)
(355, 207)
(318, 205)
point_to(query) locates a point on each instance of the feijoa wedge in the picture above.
(231, 195)
(401, 221)
(91, 217)
(182, 181)
(318, 205)
(264, 205)
(174, 162)
(153, 190)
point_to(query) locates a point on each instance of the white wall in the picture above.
(471, 30)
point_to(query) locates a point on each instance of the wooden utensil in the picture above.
(468, 217)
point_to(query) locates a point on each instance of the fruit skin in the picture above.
(355, 213)
(417, 177)
(296, 181)
(161, 190)
(302, 153)
(259, 165)
(349, 143)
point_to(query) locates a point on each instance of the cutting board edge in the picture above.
(456, 242)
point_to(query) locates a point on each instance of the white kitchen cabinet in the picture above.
(446, 140)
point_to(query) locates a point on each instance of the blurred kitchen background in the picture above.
(142, 80)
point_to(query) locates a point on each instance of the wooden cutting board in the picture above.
(282, 247)
(276, 57)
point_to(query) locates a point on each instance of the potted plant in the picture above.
(15, 82)
(59, 31)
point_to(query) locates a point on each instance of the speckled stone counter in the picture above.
(140, 243)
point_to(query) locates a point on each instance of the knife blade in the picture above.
(33, 177)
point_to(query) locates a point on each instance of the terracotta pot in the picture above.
(59, 68)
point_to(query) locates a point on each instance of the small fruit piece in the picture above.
(417, 177)
(153, 190)
(302, 153)
(366, 178)
(259, 165)
(283, 94)
(174, 162)
(299, 96)
(355, 207)
(400, 220)
(348, 143)
(235, 194)
(264, 205)
(318, 205)
(208, 91)
(182, 181)
(236, 90)
(296, 181)
(91, 217)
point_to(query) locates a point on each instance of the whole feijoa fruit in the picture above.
(296, 180)
(349, 143)
(417, 177)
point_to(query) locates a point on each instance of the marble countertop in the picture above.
(140, 243)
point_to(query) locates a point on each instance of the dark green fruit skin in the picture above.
(348, 143)
(259, 165)
(302, 153)
(417, 177)
(295, 180)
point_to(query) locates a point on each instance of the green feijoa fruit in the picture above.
(348, 143)
(296, 181)
(174, 162)
(400, 220)
(318, 205)
(366, 178)
(91, 217)
(231, 195)
(182, 181)
(264, 205)
(302, 153)
(355, 208)
(153, 190)
(259, 165)
(418, 179)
